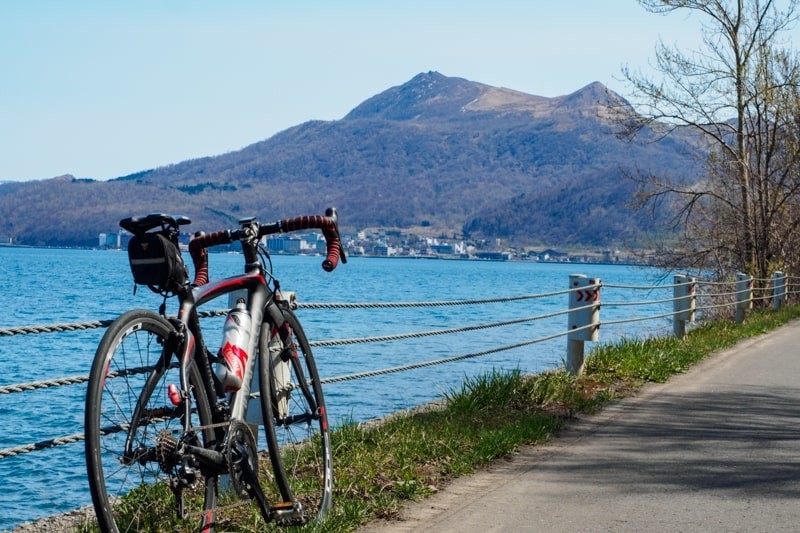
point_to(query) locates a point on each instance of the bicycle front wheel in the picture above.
(132, 427)
(295, 421)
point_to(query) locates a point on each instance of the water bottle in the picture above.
(233, 351)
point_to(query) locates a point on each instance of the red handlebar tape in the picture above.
(197, 249)
(328, 227)
(199, 243)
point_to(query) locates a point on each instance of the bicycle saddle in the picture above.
(137, 225)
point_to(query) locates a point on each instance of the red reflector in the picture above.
(174, 394)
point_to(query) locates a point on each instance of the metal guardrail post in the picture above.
(744, 295)
(583, 317)
(778, 290)
(684, 303)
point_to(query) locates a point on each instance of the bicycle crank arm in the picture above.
(250, 479)
(206, 456)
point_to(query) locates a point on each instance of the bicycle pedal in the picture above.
(289, 514)
(282, 506)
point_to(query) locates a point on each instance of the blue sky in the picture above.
(101, 89)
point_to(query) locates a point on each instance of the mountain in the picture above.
(439, 151)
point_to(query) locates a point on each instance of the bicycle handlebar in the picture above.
(328, 224)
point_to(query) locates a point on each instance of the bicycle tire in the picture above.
(295, 422)
(127, 405)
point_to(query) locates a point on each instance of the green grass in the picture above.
(380, 467)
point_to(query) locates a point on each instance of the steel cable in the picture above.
(390, 305)
(702, 282)
(644, 287)
(402, 336)
(649, 302)
(53, 328)
(636, 319)
(73, 380)
(43, 445)
(413, 366)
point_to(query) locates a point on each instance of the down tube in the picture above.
(257, 297)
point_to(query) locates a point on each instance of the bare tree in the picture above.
(739, 92)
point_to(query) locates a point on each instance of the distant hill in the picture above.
(444, 152)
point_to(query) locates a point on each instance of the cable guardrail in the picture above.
(42, 445)
(641, 287)
(634, 319)
(413, 366)
(79, 437)
(444, 303)
(53, 328)
(401, 336)
(78, 326)
(713, 306)
(582, 294)
(719, 294)
(43, 384)
(713, 283)
(640, 303)
(73, 380)
(95, 324)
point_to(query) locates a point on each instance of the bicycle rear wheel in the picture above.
(295, 421)
(131, 425)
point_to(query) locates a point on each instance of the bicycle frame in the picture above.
(259, 296)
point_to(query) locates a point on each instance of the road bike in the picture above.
(170, 439)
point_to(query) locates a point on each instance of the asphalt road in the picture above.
(715, 449)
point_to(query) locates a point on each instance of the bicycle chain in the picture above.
(208, 426)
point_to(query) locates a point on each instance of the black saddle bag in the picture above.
(156, 262)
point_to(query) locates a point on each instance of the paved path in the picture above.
(716, 449)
